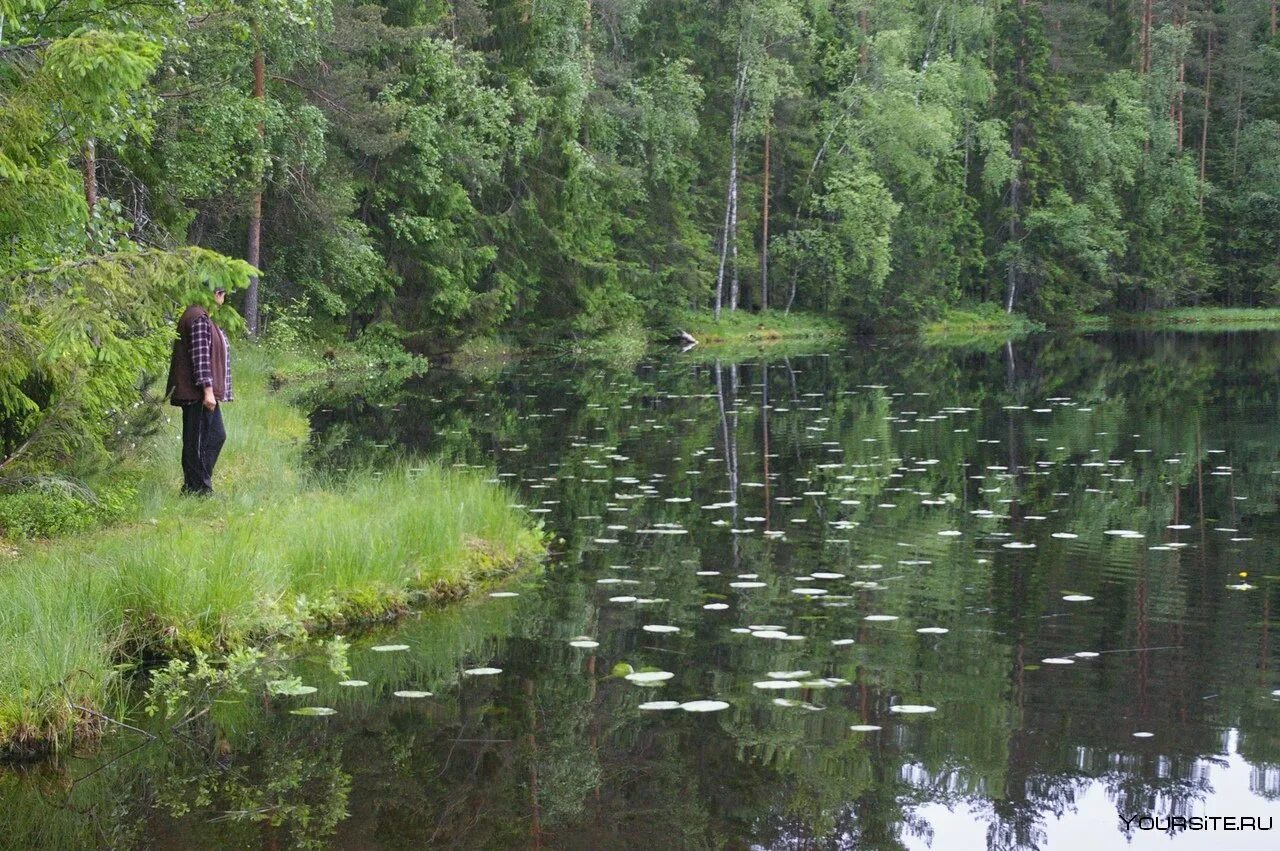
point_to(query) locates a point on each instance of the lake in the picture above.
(883, 596)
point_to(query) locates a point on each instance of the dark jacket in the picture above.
(182, 387)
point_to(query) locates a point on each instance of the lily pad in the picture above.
(289, 688)
(912, 709)
(649, 677)
(481, 672)
(412, 694)
(389, 648)
(704, 706)
(313, 710)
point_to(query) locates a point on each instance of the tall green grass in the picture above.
(977, 325)
(274, 552)
(764, 327)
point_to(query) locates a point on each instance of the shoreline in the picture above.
(279, 552)
(961, 327)
(765, 328)
(747, 332)
(1188, 319)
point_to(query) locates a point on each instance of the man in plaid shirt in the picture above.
(199, 382)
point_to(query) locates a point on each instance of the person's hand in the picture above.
(209, 402)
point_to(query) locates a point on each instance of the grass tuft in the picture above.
(768, 326)
(979, 325)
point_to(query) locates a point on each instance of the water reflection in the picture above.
(1059, 545)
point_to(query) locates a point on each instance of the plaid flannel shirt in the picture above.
(202, 353)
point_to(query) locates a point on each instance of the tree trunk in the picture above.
(89, 168)
(1144, 37)
(1204, 124)
(1235, 139)
(733, 226)
(863, 47)
(1013, 270)
(731, 199)
(764, 231)
(586, 30)
(1182, 82)
(253, 251)
(724, 250)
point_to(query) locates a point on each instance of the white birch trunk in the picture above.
(731, 196)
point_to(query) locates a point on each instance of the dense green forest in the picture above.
(570, 168)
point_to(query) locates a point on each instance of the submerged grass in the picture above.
(765, 327)
(273, 553)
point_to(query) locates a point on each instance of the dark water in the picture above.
(1063, 552)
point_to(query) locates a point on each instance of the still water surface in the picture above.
(877, 597)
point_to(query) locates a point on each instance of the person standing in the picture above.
(199, 382)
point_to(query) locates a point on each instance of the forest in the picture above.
(386, 185)
(439, 172)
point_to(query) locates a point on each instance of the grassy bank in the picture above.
(985, 323)
(768, 326)
(1189, 319)
(274, 553)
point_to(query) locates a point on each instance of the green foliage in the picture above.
(79, 334)
(468, 171)
(449, 171)
(58, 508)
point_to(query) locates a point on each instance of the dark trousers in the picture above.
(202, 439)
